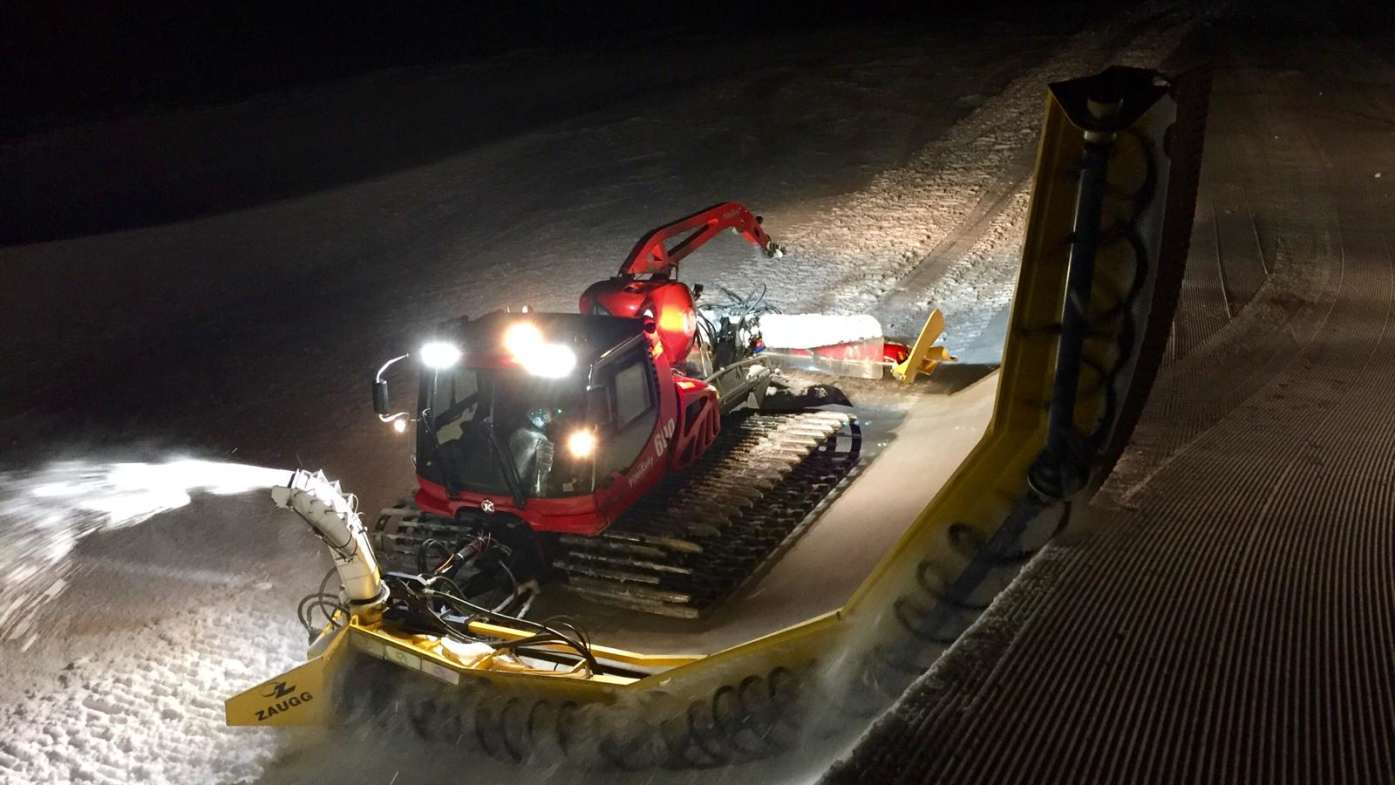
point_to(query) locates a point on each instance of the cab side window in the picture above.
(634, 410)
(633, 398)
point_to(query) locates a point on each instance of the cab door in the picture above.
(631, 403)
(639, 421)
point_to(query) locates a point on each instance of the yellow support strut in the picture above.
(925, 356)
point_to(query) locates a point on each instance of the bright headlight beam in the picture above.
(581, 444)
(523, 339)
(551, 360)
(439, 355)
(531, 350)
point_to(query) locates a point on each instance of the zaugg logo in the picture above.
(281, 690)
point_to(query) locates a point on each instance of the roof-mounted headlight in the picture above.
(439, 354)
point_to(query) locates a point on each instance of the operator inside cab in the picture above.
(532, 450)
(498, 428)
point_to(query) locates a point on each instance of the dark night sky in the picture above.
(68, 60)
(74, 60)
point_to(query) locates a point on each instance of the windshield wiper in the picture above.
(510, 472)
(505, 456)
(446, 460)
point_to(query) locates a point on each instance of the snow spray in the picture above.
(45, 512)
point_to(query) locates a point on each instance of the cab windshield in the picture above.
(502, 431)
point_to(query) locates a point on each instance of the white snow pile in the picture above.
(44, 513)
(814, 330)
(149, 707)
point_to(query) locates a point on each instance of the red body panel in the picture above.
(890, 351)
(572, 515)
(652, 464)
(895, 351)
(657, 254)
(668, 303)
(700, 421)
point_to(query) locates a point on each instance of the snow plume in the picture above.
(45, 512)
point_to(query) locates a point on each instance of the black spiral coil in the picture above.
(933, 617)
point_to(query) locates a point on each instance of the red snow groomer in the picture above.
(640, 450)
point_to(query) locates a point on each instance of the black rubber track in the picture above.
(1229, 616)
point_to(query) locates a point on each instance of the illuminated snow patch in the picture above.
(814, 330)
(45, 512)
(148, 706)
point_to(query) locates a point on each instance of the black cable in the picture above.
(327, 603)
(578, 641)
(1056, 476)
(424, 552)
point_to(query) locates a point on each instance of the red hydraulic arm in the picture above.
(653, 253)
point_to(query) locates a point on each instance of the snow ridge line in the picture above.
(977, 287)
(864, 245)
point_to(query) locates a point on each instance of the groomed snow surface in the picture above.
(148, 707)
(862, 155)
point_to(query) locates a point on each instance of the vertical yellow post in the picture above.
(925, 356)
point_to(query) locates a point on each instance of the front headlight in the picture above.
(581, 444)
(551, 360)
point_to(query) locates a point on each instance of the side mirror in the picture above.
(381, 404)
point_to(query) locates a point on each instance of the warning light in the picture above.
(673, 320)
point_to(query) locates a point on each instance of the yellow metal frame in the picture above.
(300, 696)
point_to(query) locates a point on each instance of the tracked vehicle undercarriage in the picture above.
(697, 537)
